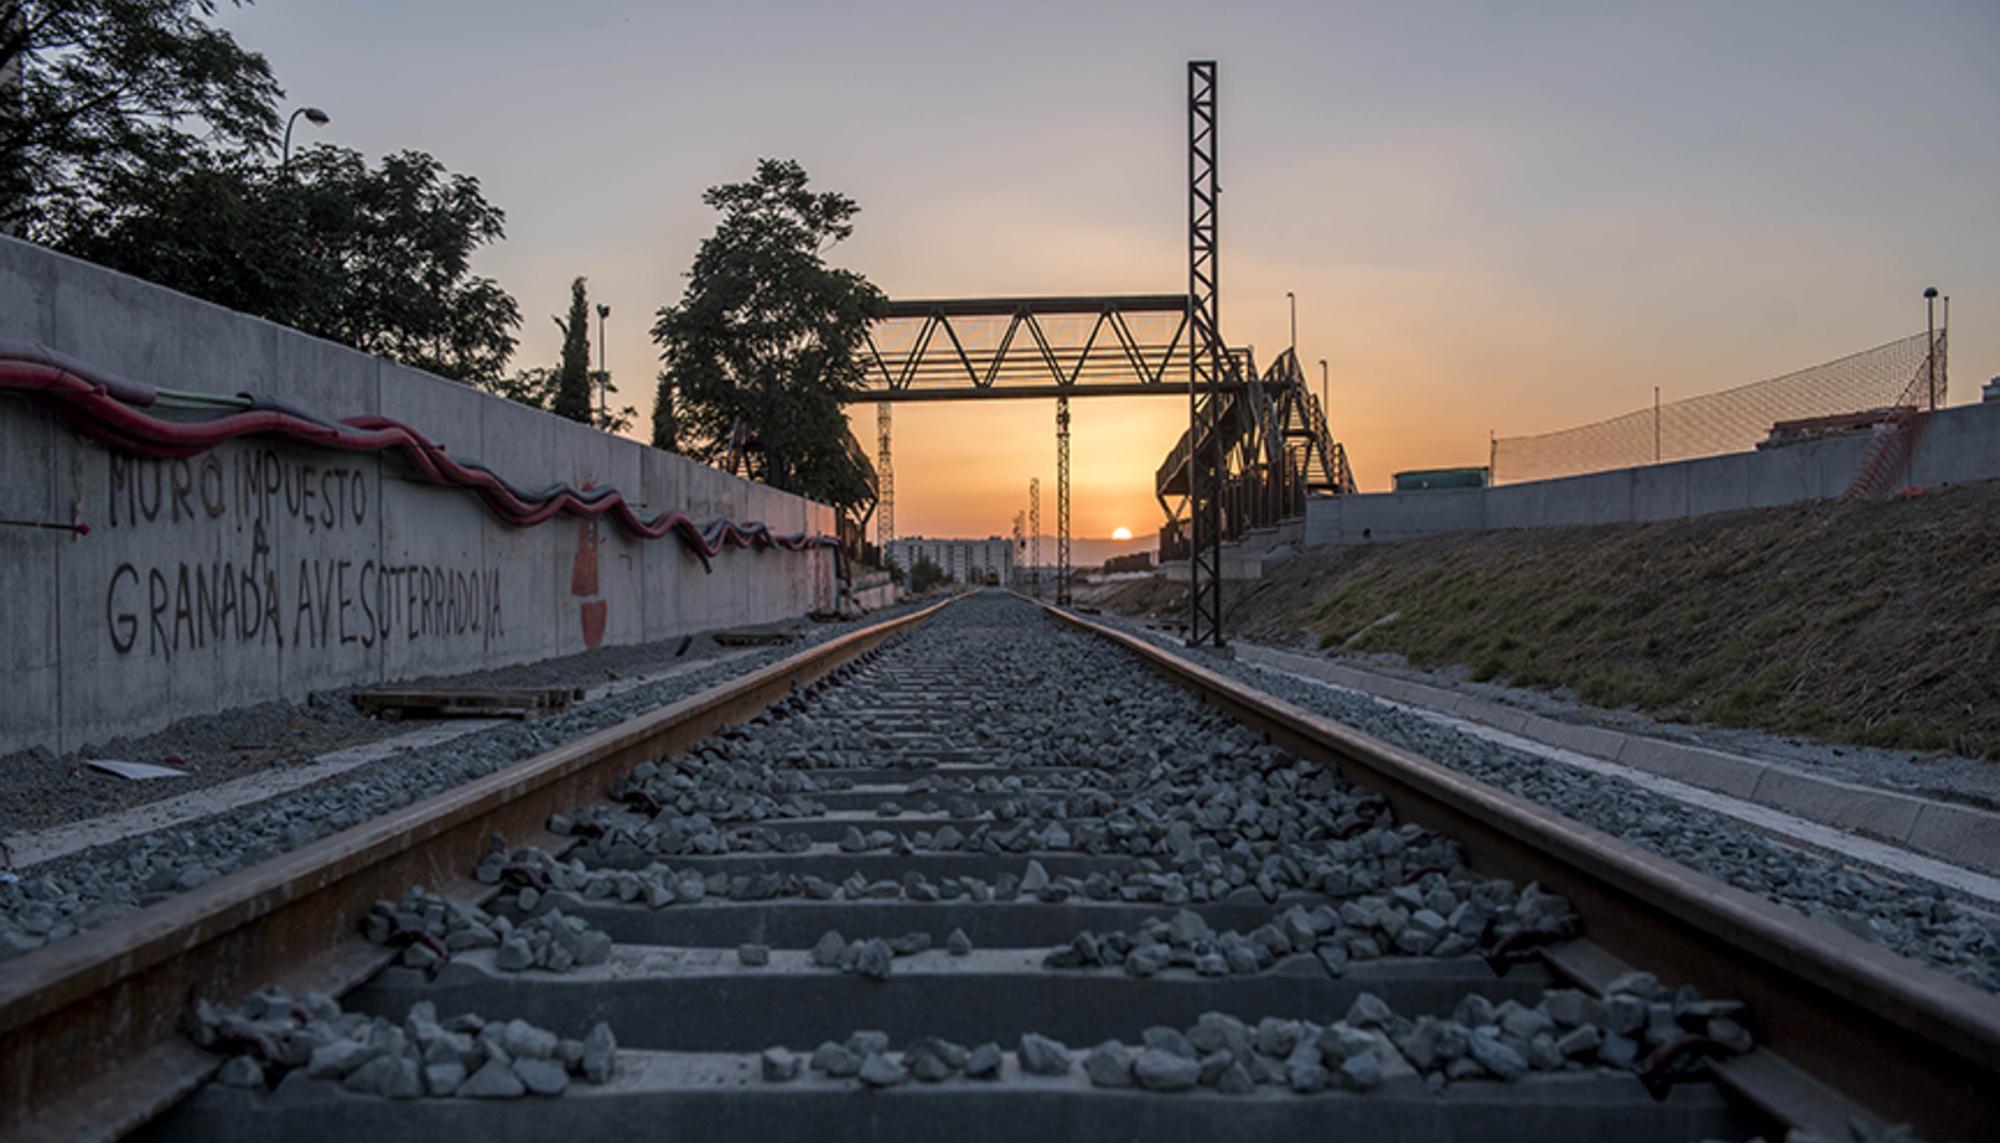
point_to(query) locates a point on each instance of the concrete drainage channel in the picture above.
(996, 878)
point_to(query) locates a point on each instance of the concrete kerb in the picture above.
(1958, 834)
(1582, 739)
(1872, 812)
(1491, 714)
(1734, 775)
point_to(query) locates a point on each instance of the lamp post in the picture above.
(1294, 300)
(1930, 355)
(314, 116)
(603, 373)
(1322, 387)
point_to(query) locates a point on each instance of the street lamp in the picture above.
(603, 373)
(1930, 356)
(314, 116)
(1322, 386)
(1294, 299)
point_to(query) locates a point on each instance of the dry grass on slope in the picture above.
(1874, 623)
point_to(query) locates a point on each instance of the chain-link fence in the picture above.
(1733, 420)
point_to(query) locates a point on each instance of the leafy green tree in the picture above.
(573, 376)
(570, 389)
(925, 574)
(611, 420)
(666, 425)
(768, 336)
(377, 258)
(94, 89)
(535, 388)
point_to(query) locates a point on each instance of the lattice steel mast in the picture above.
(1020, 547)
(885, 481)
(1035, 535)
(1062, 500)
(1205, 357)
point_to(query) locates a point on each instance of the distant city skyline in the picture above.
(1496, 218)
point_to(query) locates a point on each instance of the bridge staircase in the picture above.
(1278, 452)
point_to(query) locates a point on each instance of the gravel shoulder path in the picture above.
(1931, 774)
(62, 897)
(40, 789)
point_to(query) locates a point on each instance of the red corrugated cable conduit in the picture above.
(109, 409)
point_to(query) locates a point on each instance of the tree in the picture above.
(666, 426)
(768, 336)
(376, 258)
(103, 88)
(573, 376)
(611, 420)
(570, 389)
(535, 388)
(926, 574)
(135, 134)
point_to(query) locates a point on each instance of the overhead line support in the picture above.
(1205, 362)
(1062, 500)
(885, 481)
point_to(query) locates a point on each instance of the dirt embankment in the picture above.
(1870, 623)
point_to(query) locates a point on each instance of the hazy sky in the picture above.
(1510, 217)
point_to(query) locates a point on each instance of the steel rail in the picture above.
(90, 1027)
(1904, 1041)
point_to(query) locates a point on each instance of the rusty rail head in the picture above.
(1904, 1040)
(89, 1027)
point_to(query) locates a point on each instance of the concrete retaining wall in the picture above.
(259, 571)
(1962, 444)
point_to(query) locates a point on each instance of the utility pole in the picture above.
(1944, 353)
(1294, 300)
(1020, 547)
(1930, 357)
(603, 370)
(885, 480)
(1205, 364)
(1656, 424)
(1062, 500)
(1035, 534)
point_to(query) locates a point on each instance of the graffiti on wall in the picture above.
(334, 591)
(594, 611)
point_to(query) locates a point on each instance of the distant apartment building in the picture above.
(968, 561)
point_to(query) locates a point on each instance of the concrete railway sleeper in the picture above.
(992, 878)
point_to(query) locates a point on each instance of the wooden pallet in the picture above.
(755, 637)
(503, 702)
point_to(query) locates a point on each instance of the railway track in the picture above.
(980, 873)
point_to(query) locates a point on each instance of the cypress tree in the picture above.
(573, 398)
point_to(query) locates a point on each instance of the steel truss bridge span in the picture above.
(1273, 447)
(1129, 345)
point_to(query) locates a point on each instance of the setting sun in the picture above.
(1121, 533)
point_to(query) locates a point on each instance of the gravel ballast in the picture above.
(1567, 1031)
(1915, 919)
